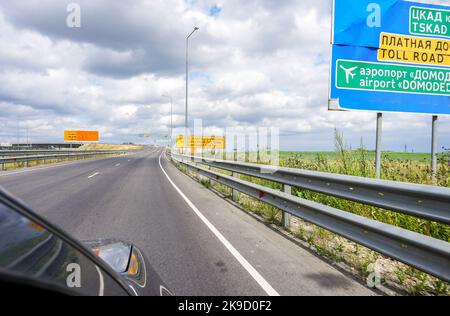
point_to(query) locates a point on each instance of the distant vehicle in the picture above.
(39, 258)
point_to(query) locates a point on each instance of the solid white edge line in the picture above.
(245, 264)
(101, 290)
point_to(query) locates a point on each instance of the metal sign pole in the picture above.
(378, 145)
(434, 148)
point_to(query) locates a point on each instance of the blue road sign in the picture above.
(390, 56)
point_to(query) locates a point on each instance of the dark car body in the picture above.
(37, 256)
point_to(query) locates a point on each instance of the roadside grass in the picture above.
(332, 155)
(404, 167)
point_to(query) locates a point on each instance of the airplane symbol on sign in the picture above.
(349, 73)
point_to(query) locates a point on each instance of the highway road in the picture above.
(199, 243)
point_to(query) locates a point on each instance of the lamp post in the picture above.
(171, 117)
(186, 123)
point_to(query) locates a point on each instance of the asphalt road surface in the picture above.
(199, 243)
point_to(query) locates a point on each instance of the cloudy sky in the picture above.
(253, 63)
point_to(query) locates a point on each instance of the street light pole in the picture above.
(186, 122)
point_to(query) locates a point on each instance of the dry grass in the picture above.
(12, 166)
(109, 147)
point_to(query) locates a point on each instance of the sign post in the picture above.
(434, 147)
(378, 145)
(391, 56)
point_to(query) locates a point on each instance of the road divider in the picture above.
(22, 158)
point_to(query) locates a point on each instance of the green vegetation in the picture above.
(332, 155)
(404, 167)
(357, 163)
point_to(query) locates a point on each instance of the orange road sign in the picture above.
(81, 136)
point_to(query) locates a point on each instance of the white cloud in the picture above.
(259, 62)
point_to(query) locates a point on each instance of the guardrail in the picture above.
(425, 253)
(6, 153)
(27, 156)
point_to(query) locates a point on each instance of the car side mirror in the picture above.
(117, 254)
(130, 263)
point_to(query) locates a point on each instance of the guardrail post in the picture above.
(234, 193)
(286, 217)
(378, 145)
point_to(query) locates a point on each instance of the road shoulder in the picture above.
(289, 268)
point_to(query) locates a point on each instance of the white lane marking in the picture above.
(93, 175)
(245, 264)
(117, 165)
(101, 289)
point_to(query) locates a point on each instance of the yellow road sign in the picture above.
(202, 142)
(414, 49)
